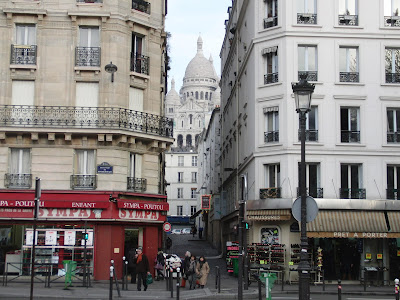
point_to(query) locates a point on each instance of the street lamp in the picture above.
(302, 94)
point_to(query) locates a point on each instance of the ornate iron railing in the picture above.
(89, 1)
(305, 18)
(348, 20)
(349, 77)
(314, 192)
(23, 55)
(137, 184)
(141, 5)
(350, 136)
(87, 56)
(392, 21)
(271, 136)
(84, 182)
(140, 63)
(270, 78)
(85, 117)
(311, 135)
(18, 181)
(270, 22)
(352, 193)
(274, 192)
(392, 194)
(393, 137)
(392, 77)
(308, 75)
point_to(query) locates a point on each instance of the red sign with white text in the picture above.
(129, 204)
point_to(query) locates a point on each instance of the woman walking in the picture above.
(191, 272)
(202, 270)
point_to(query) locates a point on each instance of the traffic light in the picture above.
(246, 225)
(86, 236)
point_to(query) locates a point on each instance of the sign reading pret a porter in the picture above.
(205, 202)
(360, 235)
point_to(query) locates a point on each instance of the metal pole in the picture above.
(171, 282)
(111, 283)
(115, 278)
(339, 289)
(177, 283)
(259, 289)
(123, 273)
(245, 258)
(219, 281)
(84, 281)
(240, 275)
(396, 288)
(35, 217)
(167, 278)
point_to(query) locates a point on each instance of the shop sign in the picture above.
(368, 256)
(55, 204)
(142, 215)
(360, 235)
(67, 213)
(128, 204)
(104, 168)
(379, 256)
(205, 202)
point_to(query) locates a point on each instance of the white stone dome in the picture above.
(172, 96)
(199, 66)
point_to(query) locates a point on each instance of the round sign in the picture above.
(312, 209)
(167, 227)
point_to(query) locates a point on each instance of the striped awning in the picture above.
(269, 215)
(394, 221)
(348, 224)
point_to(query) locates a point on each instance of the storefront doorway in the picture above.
(131, 239)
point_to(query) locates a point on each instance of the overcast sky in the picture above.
(186, 20)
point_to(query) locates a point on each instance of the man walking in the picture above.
(142, 269)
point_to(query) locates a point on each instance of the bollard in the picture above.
(323, 280)
(126, 275)
(123, 273)
(171, 281)
(219, 280)
(339, 289)
(396, 288)
(167, 278)
(365, 279)
(177, 291)
(111, 282)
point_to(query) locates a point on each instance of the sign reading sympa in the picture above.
(205, 202)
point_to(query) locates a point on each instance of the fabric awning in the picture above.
(394, 221)
(348, 224)
(269, 215)
(196, 214)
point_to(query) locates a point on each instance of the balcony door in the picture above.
(85, 162)
(22, 101)
(393, 182)
(137, 50)
(351, 181)
(135, 165)
(25, 34)
(89, 46)
(87, 97)
(20, 161)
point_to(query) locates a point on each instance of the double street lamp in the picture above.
(302, 94)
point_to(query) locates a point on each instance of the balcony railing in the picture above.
(141, 5)
(89, 1)
(270, 78)
(137, 184)
(392, 194)
(18, 181)
(350, 136)
(314, 192)
(87, 56)
(308, 75)
(305, 18)
(270, 22)
(140, 63)
(83, 182)
(348, 20)
(271, 136)
(349, 77)
(274, 192)
(85, 117)
(392, 77)
(393, 137)
(352, 193)
(23, 55)
(311, 135)
(392, 21)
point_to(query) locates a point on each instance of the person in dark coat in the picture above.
(142, 269)
(185, 268)
(132, 265)
(160, 262)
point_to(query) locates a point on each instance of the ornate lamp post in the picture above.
(302, 93)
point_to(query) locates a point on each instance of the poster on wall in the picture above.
(51, 237)
(69, 237)
(270, 235)
(29, 238)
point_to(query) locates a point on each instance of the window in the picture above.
(308, 63)
(391, 13)
(306, 12)
(190, 119)
(180, 176)
(85, 162)
(393, 125)
(348, 64)
(189, 140)
(393, 182)
(193, 209)
(136, 99)
(206, 95)
(23, 92)
(201, 95)
(141, 5)
(350, 124)
(19, 169)
(351, 182)
(197, 95)
(86, 95)
(194, 177)
(179, 210)
(271, 65)
(313, 181)
(194, 161)
(135, 180)
(272, 182)
(271, 133)
(392, 65)
(24, 51)
(271, 12)
(25, 34)
(193, 193)
(348, 12)
(180, 161)
(88, 51)
(311, 125)
(180, 140)
(171, 110)
(180, 193)
(139, 62)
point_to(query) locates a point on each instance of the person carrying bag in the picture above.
(202, 270)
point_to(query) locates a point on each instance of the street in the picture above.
(331, 297)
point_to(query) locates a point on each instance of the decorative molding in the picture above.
(349, 97)
(51, 136)
(275, 97)
(389, 98)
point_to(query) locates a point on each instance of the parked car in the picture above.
(176, 231)
(186, 231)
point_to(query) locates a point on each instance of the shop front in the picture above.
(87, 228)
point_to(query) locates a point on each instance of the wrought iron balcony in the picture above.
(314, 192)
(140, 63)
(352, 193)
(393, 137)
(23, 55)
(270, 78)
(348, 20)
(350, 136)
(83, 182)
(18, 181)
(137, 184)
(349, 77)
(271, 136)
(305, 18)
(392, 194)
(89, 1)
(85, 117)
(392, 21)
(274, 192)
(87, 56)
(141, 5)
(311, 135)
(392, 77)
(270, 22)
(308, 75)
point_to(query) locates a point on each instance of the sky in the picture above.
(186, 20)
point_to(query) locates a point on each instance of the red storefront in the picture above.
(106, 218)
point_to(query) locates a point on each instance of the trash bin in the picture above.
(70, 270)
(268, 279)
(235, 263)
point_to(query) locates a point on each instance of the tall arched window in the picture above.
(197, 95)
(210, 96)
(201, 95)
(189, 140)
(187, 94)
(180, 140)
(190, 119)
(206, 95)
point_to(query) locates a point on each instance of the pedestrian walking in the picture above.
(185, 268)
(191, 272)
(202, 270)
(142, 269)
(194, 230)
(160, 263)
(132, 264)
(200, 232)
